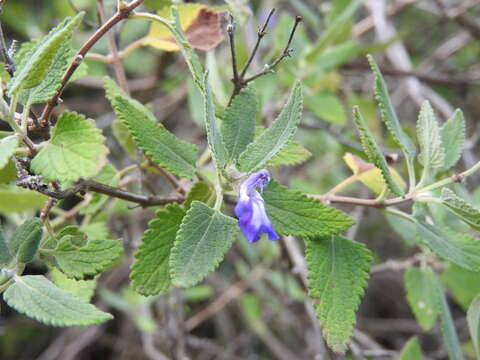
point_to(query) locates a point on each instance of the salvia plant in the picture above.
(226, 193)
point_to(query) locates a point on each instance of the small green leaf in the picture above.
(464, 284)
(448, 327)
(49, 86)
(16, 200)
(292, 154)
(150, 271)
(465, 211)
(38, 298)
(201, 243)
(168, 151)
(8, 145)
(76, 150)
(28, 236)
(388, 113)
(453, 138)
(460, 249)
(473, 319)
(411, 350)
(239, 122)
(25, 236)
(82, 288)
(201, 191)
(271, 141)
(337, 275)
(293, 213)
(36, 63)
(421, 296)
(5, 254)
(374, 153)
(212, 125)
(432, 152)
(87, 260)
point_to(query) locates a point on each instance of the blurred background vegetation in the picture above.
(255, 306)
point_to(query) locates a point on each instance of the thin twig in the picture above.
(287, 51)
(261, 33)
(90, 185)
(239, 80)
(231, 293)
(231, 35)
(117, 17)
(116, 59)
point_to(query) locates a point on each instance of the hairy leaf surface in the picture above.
(337, 275)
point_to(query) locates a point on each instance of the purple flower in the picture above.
(250, 208)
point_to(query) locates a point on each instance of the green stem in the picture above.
(401, 214)
(152, 17)
(411, 172)
(25, 114)
(452, 179)
(218, 194)
(344, 183)
(11, 116)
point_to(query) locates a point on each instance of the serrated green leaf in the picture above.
(464, 284)
(25, 234)
(448, 327)
(36, 64)
(473, 319)
(432, 152)
(201, 243)
(239, 122)
(170, 152)
(52, 81)
(150, 272)
(293, 213)
(76, 150)
(40, 299)
(5, 254)
(88, 260)
(272, 140)
(460, 249)
(373, 152)
(337, 275)
(84, 289)
(189, 54)
(201, 191)
(388, 113)
(292, 154)
(421, 296)
(465, 211)
(28, 236)
(411, 350)
(8, 145)
(453, 138)
(212, 125)
(16, 200)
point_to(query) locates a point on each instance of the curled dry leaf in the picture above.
(203, 27)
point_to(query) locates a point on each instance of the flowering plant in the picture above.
(68, 185)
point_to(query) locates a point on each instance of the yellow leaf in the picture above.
(203, 28)
(369, 175)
